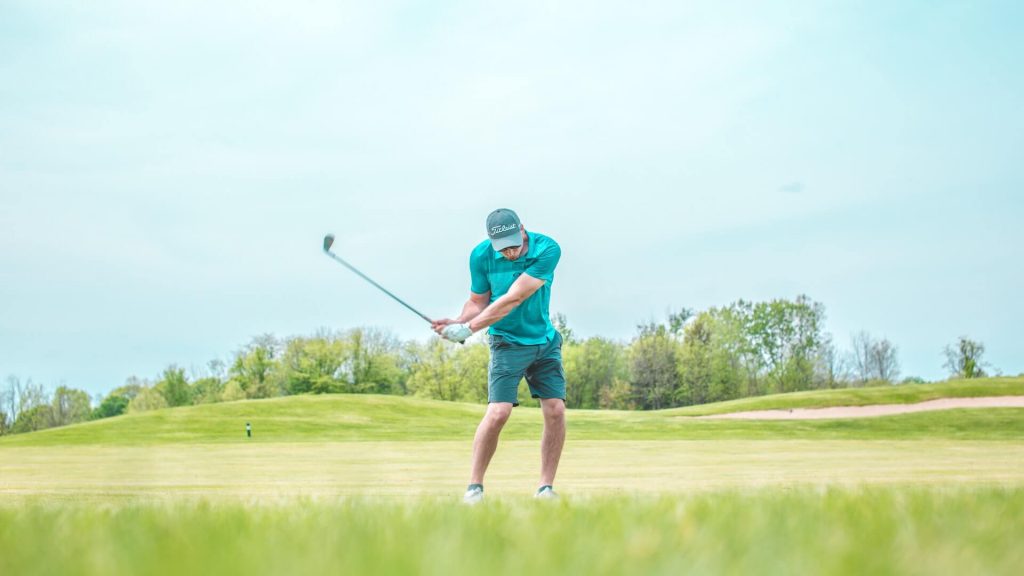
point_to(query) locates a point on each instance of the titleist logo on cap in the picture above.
(504, 228)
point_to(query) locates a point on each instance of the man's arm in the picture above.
(521, 289)
(471, 309)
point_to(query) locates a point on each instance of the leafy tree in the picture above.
(743, 349)
(131, 388)
(619, 396)
(232, 392)
(731, 338)
(35, 418)
(69, 406)
(471, 362)
(314, 365)
(147, 399)
(711, 362)
(432, 373)
(255, 367)
(561, 324)
(788, 337)
(445, 372)
(6, 420)
(592, 366)
(207, 390)
(677, 320)
(372, 362)
(964, 359)
(174, 387)
(696, 362)
(118, 400)
(19, 397)
(654, 362)
(112, 405)
(697, 366)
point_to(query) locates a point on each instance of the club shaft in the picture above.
(379, 287)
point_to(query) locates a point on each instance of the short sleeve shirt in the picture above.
(530, 322)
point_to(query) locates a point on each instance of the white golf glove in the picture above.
(456, 332)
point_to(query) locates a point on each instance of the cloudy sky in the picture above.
(167, 170)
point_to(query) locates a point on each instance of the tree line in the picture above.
(743, 349)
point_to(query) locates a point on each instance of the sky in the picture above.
(168, 169)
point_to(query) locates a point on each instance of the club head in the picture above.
(328, 242)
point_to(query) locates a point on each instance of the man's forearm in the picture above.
(469, 311)
(494, 312)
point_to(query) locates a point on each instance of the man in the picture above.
(511, 274)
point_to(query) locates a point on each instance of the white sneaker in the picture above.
(474, 494)
(546, 493)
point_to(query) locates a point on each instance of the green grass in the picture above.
(838, 531)
(268, 473)
(346, 418)
(901, 394)
(355, 484)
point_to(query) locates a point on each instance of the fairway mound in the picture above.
(336, 418)
(871, 411)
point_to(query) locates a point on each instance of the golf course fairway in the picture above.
(372, 484)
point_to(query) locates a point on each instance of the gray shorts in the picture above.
(541, 364)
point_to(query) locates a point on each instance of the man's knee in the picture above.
(554, 409)
(498, 413)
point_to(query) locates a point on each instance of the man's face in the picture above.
(515, 252)
(512, 253)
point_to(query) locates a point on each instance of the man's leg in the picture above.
(553, 439)
(486, 440)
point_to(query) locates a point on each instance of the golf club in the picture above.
(329, 241)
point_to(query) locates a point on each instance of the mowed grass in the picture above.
(269, 473)
(345, 418)
(371, 485)
(899, 394)
(834, 531)
(351, 445)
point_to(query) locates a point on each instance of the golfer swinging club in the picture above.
(511, 275)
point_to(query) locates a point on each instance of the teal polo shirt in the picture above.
(530, 322)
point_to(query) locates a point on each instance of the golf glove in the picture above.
(456, 332)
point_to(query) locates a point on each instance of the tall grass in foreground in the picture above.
(869, 531)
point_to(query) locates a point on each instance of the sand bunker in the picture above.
(876, 410)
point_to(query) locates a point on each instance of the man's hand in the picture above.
(456, 332)
(438, 325)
